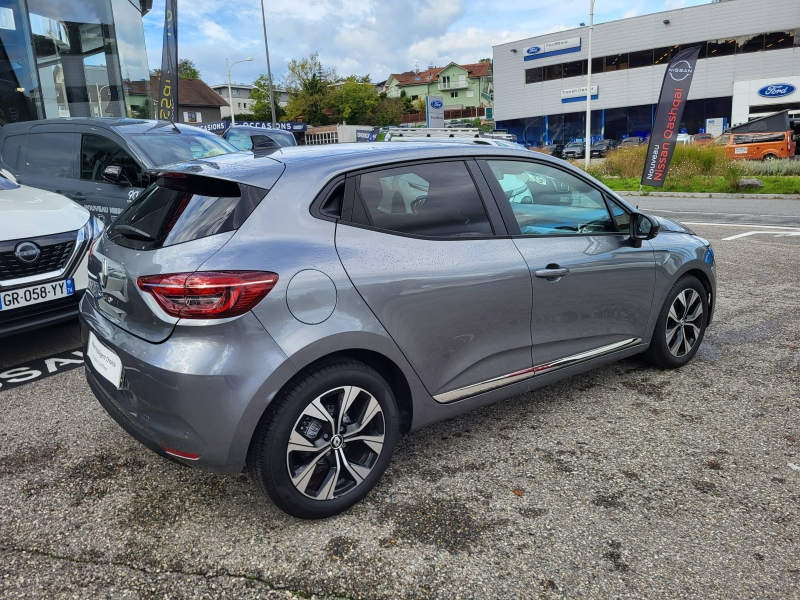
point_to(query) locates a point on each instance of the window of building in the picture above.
(191, 117)
(533, 75)
(240, 105)
(661, 56)
(778, 40)
(553, 72)
(235, 91)
(642, 58)
(446, 81)
(573, 69)
(470, 94)
(745, 45)
(597, 64)
(454, 94)
(437, 200)
(51, 154)
(616, 62)
(721, 48)
(414, 97)
(99, 152)
(548, 201)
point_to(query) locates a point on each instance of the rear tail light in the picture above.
(208, 295)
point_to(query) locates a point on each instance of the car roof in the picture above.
(333, 159)
(255, 129)
(120, 125)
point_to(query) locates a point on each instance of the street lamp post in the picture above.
(269, 71)
(230, 94)
(588, 156)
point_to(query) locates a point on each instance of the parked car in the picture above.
(258, 139)
(458, 124)
(574, 150)
(44, 241)
(633, 140)
(556, 150)
(600, 149)
(479, 141)
(295, 314)
(101, 163)
(758, 146)
(701, 139)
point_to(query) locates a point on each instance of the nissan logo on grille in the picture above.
(27, 252)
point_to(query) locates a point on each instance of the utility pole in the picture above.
(269, 71)
(588, 156)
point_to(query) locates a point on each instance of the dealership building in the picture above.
(73, 58)
(749, 65)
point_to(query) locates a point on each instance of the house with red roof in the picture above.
(461, 86)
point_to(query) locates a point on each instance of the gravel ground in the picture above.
(625, 482)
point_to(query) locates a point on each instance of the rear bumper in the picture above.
(202, 391)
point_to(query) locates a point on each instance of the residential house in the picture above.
(242, 102)
(461, 86)
(197, 103)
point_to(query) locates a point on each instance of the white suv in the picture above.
(44, 242)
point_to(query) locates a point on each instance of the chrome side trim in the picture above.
(504, 380)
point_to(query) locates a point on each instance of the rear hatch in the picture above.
(174, 226)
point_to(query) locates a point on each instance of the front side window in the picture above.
(722, 140)
(438, 200)
(51, 154)
(548, 201)
(99, 152)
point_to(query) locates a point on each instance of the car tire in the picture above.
(769, 157)
(680, 327)
(348, 451)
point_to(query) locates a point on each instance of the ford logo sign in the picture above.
(437, 104)
(533, 50)
(776, 90)
(27, 252)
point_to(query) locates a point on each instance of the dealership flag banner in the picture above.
(667, 123)
(168, 84)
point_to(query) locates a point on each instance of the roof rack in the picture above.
(447, 132)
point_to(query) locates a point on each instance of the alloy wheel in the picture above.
(335, 443)
(684, 322)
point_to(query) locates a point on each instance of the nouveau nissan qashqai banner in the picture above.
(666, 126)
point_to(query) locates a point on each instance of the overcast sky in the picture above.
(375, 37)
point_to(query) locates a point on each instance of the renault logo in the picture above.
(27, 252)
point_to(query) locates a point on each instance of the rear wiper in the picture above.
(133, 231)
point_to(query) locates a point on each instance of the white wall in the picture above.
(513, 99)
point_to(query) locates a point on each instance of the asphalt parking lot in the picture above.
(625, 482)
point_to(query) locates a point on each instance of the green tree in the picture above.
(187, 69)
(485, 60)
(309, 87)
(388, 111)
(262, 111)
(355, 99)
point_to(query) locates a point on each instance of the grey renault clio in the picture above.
(295, 314)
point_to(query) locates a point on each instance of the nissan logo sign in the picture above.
(533, 50)
(776, 90)
(27, 252)
(680, 70)
(437, 104)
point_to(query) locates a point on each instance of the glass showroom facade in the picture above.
(73, 58)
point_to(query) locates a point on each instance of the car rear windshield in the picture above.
(180, 209)
(166, 147)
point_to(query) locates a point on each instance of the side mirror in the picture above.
(642, 228)
(113, 174)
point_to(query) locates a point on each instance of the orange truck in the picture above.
(758, 145)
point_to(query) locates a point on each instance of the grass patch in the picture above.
(697, 169)
(705, 185)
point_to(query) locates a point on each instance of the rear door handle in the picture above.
(552, 273)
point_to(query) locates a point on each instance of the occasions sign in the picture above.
(777, 90)
(552, 48)
(221, 126)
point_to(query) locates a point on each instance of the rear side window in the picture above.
(14, 151)
(437, 200)
(51, 154)
(178, 210)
